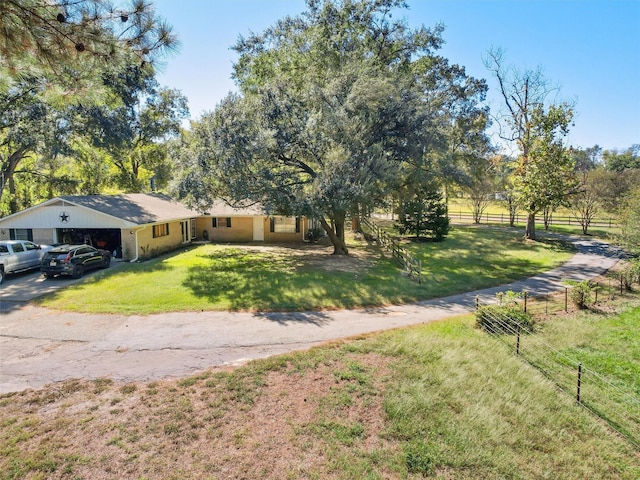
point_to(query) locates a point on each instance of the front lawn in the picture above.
(268, 278)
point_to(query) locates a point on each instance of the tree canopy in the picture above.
(69, 37)
(335, 106)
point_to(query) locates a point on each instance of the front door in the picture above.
(258, 229)
(186, 231)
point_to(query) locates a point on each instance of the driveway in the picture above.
(40, 346)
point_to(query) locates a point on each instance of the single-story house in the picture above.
(222, 223)
(140, 225)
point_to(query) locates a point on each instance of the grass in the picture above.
(441, 400)
(222, 277)
(610, 344)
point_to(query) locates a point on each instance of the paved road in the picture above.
(40, 346)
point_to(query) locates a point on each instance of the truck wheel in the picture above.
(1, 275)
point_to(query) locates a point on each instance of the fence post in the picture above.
(579, 382)
(477, 302)
(518, 341)
(524, 293)
(566, 299)
(546, 305)
(621, 285)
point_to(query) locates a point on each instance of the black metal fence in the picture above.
(607, 398)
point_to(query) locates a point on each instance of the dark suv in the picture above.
(73, 260)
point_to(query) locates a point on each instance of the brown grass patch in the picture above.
(221, 424)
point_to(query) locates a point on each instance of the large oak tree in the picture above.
(332, 106)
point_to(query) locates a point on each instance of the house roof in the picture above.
(119, 211)
(223, 209)
(138, 208)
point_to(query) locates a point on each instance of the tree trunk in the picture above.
(547, 218)
(513, 210)
(530, 232)
(355, 220)
(336, 236)
(9, 167)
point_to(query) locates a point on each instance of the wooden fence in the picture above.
(522, 218)
(411, 265)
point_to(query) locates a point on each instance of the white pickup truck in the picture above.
(19, 255)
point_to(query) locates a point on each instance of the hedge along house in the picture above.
(132, 226)
(223, 223)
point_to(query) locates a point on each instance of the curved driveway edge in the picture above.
(40, 346)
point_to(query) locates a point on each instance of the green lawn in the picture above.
(225, 277)
(609, 345)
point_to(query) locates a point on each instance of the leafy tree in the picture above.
(546, 179)
(504, 168)
(630, 223)
(621, 161)
(70, 38)
(134, 124)
(544, 175)
(588, 201)
(586, 159)
(480, 183)
(28, 122)
(332, 105)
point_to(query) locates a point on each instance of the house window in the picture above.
(161, 230)
(221, 222)
(285, 224)
(21, 234)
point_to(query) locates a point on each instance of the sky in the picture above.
(589, 49)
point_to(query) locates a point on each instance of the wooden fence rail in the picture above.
(553, 220)
(411, 265)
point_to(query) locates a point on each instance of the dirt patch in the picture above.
(225, 423)
(320, 257)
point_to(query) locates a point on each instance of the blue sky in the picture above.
(590, 49)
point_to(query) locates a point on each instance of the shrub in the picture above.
(314, 234)
(509, 298)
(631, 274)
(580, 293)
(503, 319)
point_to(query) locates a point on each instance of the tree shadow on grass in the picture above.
(265, 282)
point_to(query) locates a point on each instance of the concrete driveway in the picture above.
(40, 346)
